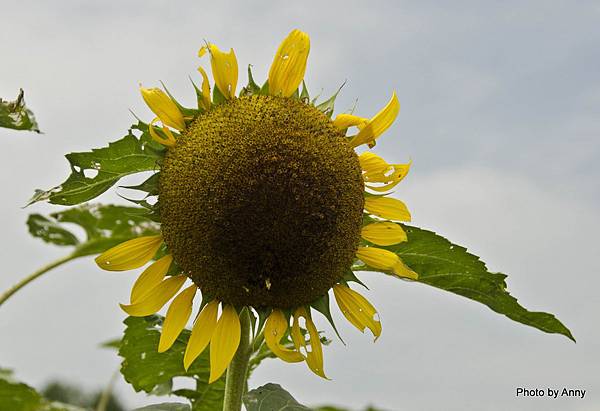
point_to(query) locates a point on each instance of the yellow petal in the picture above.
(224, 70)
(205, 89)
(377, 257)
(201, 333)
(289, 64)
(130, 254)
(343, 121)
(357, 310)
(165, 108)
(224, 342)
(388, 208)
(372, 163)
(177, 317)
(156, 298)
(401, 270)
(384, 233)
(275, 328)
(383, 188)
(314, 356)
(393, 172)
(378, 124)
(384, 260)
(168, 139)
(150, 278)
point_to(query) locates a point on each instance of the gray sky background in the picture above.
(500, 114)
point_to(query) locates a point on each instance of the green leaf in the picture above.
(149, 186)
(251, 88)
(304, 94)
(327, 106)
(187, 112)
(105, 226)
(146, 369)
(113, 344)
(49, 231)
(321, 304)
(450, 267)
(199, 97)
(218, 97)
(104, 168)
(166, 406)
(16, 396)
(271, 397)
(14, 115)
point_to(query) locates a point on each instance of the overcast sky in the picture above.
(500, 115)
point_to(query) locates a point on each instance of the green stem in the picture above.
(107, 392)
(238, 368)
(8, 293)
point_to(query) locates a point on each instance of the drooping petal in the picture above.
(289, 64)
(150, 278)
(384, 260)
(165, 108)
(383, 233)
(177, 317)
(357, 310)
(130, 254)
(388, 208)
(343, 121)
(224, 342)
(314, 356)
(275, 329)
(378, 124)
(224, 69)
(168, 139)
(205, 89)
(156, 298)
(201, 333)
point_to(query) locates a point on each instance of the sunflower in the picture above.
(264, 205)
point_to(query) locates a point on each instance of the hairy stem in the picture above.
(237, 371)
(8, 293)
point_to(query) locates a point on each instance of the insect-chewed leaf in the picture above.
(93, 172)
(450, 267)
(271, 397)
(146, 369)
(105, 226)
(50, 231)
(15, 115)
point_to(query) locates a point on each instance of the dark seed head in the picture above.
(261, 202)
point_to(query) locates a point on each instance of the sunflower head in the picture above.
(264, 204)
(261, 202)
